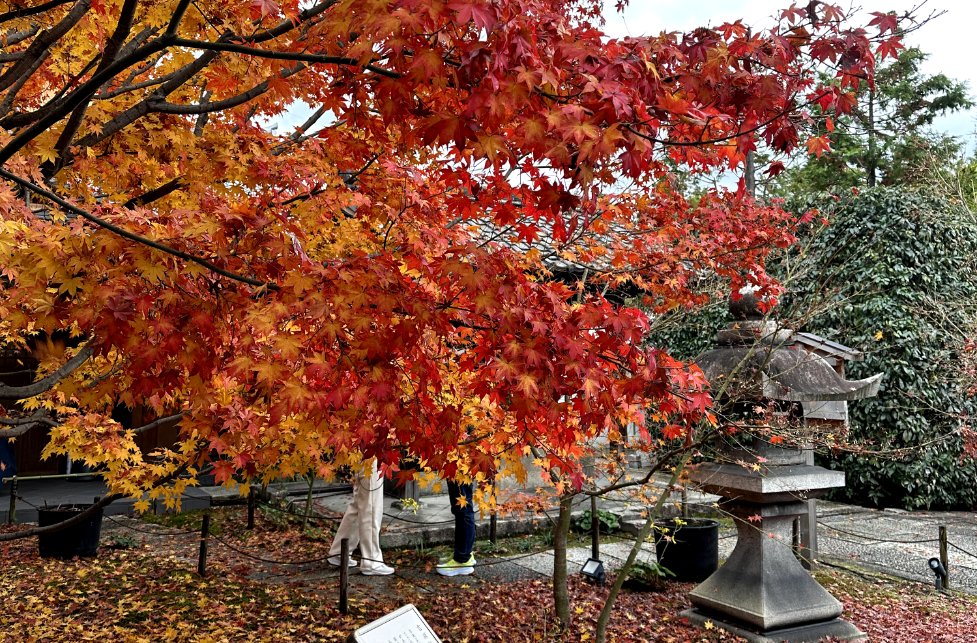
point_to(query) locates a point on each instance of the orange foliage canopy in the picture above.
(378, 280)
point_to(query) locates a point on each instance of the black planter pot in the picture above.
(80, 539)
(689, 550)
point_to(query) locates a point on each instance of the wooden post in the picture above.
(494, 518)
(944, 557)
(344, 576)
(252, 501)
(12, 510)
(204, 534)
(594, 529)
(808, 523)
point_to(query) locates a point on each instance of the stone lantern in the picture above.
(762, 592)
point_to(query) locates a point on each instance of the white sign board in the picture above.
(406, 625)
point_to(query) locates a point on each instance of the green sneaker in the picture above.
(452, 567)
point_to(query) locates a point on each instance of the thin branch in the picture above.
(161, 423)
(31, 11)
(102, 223)
(43, 42)
(177, 17)
(722, 139)
(58, 111)
(145, 107)
(156, 193)
(282, 55)
(112, 48)
(20, 426)
(287, 25)
(8, 102)
(47, 383)
(205, 107)
(131, 87)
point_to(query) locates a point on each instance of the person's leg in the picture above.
(464, 520)
(349, 527)
(371, 517)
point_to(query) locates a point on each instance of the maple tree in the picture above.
(379, 280)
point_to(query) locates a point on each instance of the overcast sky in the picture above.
(948, 39)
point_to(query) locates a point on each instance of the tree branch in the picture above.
(112, 47)
(154, 194)
(102, 223)
(31, 11)
(177, 17)
(144, 107)
(47, 383)
(161, 423)
(217, 106)
(285, 26)
(282, 55)
(20, 426)
(43, 42)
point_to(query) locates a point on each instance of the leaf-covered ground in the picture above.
(143, 586)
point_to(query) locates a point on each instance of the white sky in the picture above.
(947, 39)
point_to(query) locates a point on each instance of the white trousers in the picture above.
(361, 522)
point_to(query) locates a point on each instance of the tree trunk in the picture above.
(600, 635)
(561, 595)
(872, 162)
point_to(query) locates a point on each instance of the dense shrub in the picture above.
(895, 275)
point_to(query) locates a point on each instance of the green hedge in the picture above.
(895, 275)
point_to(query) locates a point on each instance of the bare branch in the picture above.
(47, 383)
(287, 25)
(109, 53)
(145, 107)
(14, 37)
(177, 17)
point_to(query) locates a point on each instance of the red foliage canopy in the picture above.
(378, 280)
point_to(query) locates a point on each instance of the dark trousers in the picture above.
(7, 459)
(464, 520)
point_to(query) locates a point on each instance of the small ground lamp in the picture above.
(593, 569)
(939, 571)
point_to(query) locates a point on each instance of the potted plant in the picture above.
(688, 547)
(79, 539)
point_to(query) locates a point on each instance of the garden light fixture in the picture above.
(939, 571)
(593, 569)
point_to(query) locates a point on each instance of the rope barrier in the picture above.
(23, 499)
(962, 550)
(150, 531)
(871, 540)
(267, 560)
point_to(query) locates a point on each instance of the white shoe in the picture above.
(379, 570)
(335, 561)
